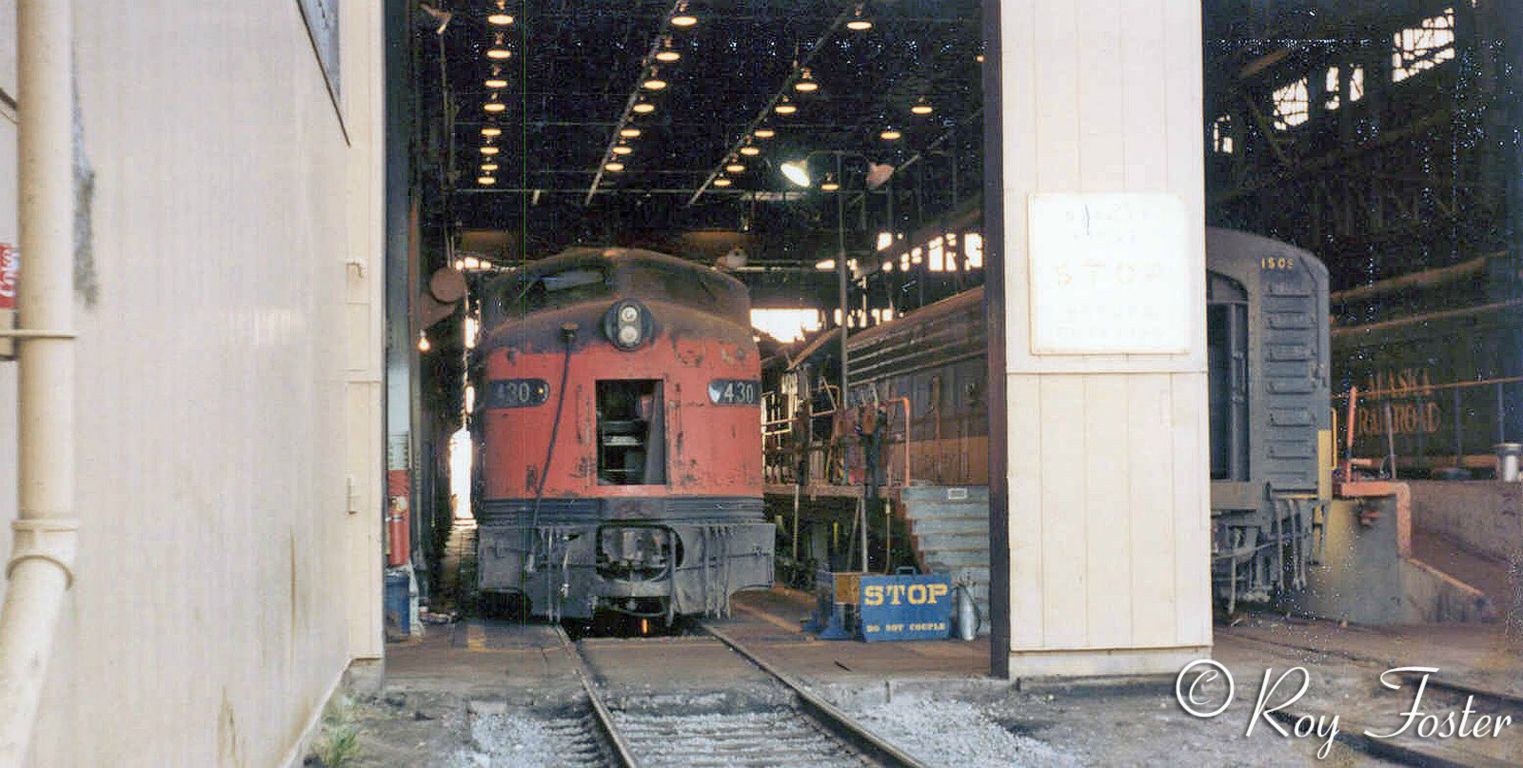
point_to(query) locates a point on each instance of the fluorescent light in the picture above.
(684, 20)
(622, 149)
(488, 167)
(489, 150)
(825, 265)
(654, 84)
(499, 53)
(614, 167)
(795, 172)
(630, 132)
(764, 133)
(750, 151)
(735, 168)
(485, 180)
(491, 131)
(500, 19)
(644, 107)
(785, 107)
(494, 106)
(496, 82)
(721, 182)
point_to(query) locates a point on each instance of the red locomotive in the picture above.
(619, 465)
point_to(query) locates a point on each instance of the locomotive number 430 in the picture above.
(734, 392)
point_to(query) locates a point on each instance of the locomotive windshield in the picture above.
(568, 286)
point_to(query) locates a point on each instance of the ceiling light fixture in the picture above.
(488, 167)
(614, 167)
(806, 83)
(622, 149)
(494, 105)
(829, 184)
(654, 82)
(750, 151)
(859, 23)
(764, 133)
(721, 182)
(735, 168)
(489, 150)
(889, 134)
(500, 19)
(496, 82)
(796, 172)
(485, 180)
(499, 53)
(785, 107)
(825, 265)
(667, 53)
(682, 18)
(644, 108)
(629, 132)
(423, 345)
(921, 107)
(490, 132)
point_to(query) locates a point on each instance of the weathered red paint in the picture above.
(712, 450)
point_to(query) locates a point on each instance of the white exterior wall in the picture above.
(228, 383)
(1108, 469)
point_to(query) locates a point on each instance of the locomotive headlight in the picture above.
(627, 324)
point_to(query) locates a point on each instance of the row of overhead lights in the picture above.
(804, 82)
(495, 82)
(652, 82)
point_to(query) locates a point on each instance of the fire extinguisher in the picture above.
(398, 518)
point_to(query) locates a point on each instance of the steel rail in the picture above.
(621, 752)
(827, 714)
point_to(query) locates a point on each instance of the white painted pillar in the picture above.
(1106, 408)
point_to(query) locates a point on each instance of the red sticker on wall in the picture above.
(10, 272)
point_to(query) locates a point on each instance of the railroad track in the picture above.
(1440, 696)
(809, 732)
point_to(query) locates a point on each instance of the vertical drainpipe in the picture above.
(40, 568)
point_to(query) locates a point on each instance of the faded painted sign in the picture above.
(1110, 274)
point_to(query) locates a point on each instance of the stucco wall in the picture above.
(227, 393)
(1109, 537)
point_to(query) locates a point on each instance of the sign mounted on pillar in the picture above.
(1110, 273)
(10, 277)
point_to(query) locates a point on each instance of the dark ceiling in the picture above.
(573, 70)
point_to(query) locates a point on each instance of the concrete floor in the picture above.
(523, 668)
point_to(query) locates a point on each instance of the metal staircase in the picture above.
(949, 531)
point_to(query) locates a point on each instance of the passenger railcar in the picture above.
(1269, 401)
(618, 465)
(1267, 351)
(1437, 358)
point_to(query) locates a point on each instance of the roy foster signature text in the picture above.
(1197, 689)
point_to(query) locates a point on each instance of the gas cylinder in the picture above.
(967, 614)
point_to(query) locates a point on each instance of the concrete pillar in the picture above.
(1099, 218)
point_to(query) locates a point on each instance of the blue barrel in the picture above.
(397, 604)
